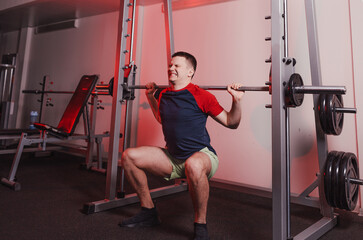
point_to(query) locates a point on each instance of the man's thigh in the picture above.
(151, 159)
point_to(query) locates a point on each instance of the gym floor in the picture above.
(55, 188)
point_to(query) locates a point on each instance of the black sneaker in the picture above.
(200, 232)
(145, 218)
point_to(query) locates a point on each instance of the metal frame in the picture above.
(111, 199)
(282, 69)
(280, 127)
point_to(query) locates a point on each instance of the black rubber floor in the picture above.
(54, 190)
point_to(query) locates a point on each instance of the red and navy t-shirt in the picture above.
(184, 115)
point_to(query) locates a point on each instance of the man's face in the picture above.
(180, 69)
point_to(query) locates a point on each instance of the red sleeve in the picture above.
(207, 102)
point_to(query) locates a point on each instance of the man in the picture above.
(182, 109)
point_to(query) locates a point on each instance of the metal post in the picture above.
(329, 219)
(279, 186)
(169, 29)
(316, 80)
(113, 152)
(132, 31)
(287, 124)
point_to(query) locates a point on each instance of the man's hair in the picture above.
(189, 57)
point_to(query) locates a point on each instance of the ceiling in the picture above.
(15, 14)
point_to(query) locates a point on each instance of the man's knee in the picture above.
(128, 157)
(197, 165)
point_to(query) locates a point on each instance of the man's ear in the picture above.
(191, 72)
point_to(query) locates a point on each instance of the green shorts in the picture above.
(179, 165)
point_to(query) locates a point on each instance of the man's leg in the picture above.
(135, 161)
(197, 169)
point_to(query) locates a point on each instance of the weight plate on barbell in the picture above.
(110, 86)
(293, 99)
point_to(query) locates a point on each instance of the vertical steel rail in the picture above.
(329, 219)
(132, 31)
(169, 29)
(128, 108)
(287, 123)
(278, 124)
(316, 80)
(113, 151)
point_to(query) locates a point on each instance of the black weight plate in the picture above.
(328, 177)
(296, 81)
(329, 113)
(337, 117)
(335, 179)
(110, 86)
(342, 199)
(322, 113)
(352, 190)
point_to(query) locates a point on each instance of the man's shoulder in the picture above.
(196, 90)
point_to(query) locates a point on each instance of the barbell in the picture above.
(294, 89)
(341, 180)
(330, 108)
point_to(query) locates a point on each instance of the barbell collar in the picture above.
(345, 110)
(355, 181)
(320, 90)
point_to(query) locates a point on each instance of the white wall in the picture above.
(9, 42)
(67, 55)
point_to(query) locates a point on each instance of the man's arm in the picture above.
(150, 90)
(232, 118)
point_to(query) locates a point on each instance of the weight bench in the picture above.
(64, 131)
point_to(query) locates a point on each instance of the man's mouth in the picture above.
(172, 74)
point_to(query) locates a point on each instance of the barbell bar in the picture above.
(294, 88)
(62, 92)
(243, 88)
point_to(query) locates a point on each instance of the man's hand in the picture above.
(237, 95)
(150, 88)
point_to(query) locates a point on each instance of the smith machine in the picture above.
(338, 187)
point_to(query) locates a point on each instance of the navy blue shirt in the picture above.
(184, 115)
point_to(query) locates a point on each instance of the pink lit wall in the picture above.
(228, 42)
